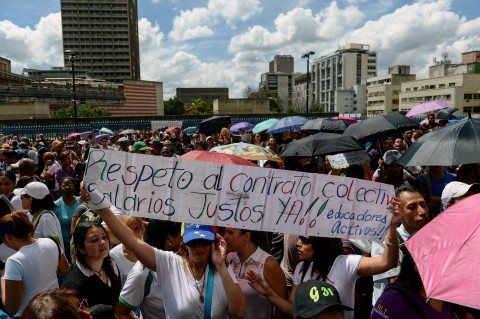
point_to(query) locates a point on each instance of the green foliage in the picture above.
(199, 107)
(174, 106)
(317, 108)
(290, 110)
(275, 101)
(82, 111)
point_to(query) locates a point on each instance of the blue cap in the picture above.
(196, 231)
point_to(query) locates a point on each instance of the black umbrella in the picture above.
(454, 144)
(381, 126)
(321, 144)
(214, 124)
(324, 125)
(443, 115)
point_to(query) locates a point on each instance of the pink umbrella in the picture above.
(427, 107)
(447, 254)
(73, 136)
(345, 119)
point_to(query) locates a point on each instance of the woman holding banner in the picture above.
(324, 259)
(196, 285)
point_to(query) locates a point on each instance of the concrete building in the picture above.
(105, 35)
(207, 95)
(241, 106)
(383, 91)
(458, 84)
(281, 64)
(299, 94)
(346, 100)
(279, 80)
(25, 97)
(348, 66)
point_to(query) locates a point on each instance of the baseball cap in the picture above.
(123, 140)
(36, 190)
(5, 145)
(313, 297)
(139, 146)
(155, 143)
(457, 189)
(196, 231)
(391, 156)
(56, 143)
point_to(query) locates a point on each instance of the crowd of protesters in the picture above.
(63, 257)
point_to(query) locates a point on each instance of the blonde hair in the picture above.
(131, 220)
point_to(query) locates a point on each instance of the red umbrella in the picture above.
(206, 156)
(73, 136)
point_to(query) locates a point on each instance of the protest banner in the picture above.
(161, 124)
(344, 160)
(240, 196)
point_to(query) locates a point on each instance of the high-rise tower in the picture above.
(105, 35)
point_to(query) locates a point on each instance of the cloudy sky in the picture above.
(200, 43)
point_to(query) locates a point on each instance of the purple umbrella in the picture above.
(101, 136)
(245, 126)
(84, 135)
(427, 107)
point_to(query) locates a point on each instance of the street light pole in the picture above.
(307, 56)
(71, 57)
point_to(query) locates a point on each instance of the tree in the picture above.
(275, 101)
(174, 106)
(199, 107)
(82, 111)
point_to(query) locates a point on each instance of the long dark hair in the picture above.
(44, 203)
(157, 231)
(409, 278)
(79, 236)
(325, 251)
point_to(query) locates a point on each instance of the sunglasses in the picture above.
(202, 242)
(305, 240)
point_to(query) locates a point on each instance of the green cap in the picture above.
(139, 146)
(313, 297)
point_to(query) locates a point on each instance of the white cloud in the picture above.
(412, 34)
(33, 48)
(298, 27)
(234, 10)
(191, 24)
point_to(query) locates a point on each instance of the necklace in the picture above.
(202, 298)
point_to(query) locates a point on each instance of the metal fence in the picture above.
(53, 128)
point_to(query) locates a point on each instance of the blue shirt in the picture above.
(64, 214)
(436, 186)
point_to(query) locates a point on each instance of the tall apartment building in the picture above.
(279, 80)
(105, 35)
(383, 91)
(343, 69)
(281, 64)
(458, 84)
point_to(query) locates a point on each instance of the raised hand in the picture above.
(258, 283)
(219, 251)
(396, 209)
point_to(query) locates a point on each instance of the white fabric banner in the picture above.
(240, 196)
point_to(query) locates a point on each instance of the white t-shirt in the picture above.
(48, 226)
(36, 266)
(124, 265)
(342, 275)
(133, 293)
(180, 295)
